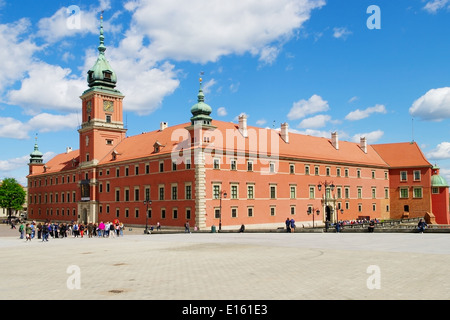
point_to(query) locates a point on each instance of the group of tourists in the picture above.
(74, 229)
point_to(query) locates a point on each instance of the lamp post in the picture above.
(326, 184)
(224, 194)
(147, 202)
(311, 211)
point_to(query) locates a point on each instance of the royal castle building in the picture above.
(210, 172)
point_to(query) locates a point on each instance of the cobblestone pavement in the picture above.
(227, 266)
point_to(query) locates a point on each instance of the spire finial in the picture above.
(101, 47)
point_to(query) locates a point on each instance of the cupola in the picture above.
(201, 111)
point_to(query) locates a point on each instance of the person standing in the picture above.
(28, 232)
(22, 230)
(39, 229)
(45, 232)
(288, 225)
(186, 227)
(292, 225)
(101, 229)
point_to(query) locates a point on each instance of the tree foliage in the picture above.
(12, 195)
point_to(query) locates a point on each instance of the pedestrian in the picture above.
(242, 229)
(121, 226)
(28, 231)
(158, 226)
(33, 229)
(101, 229)
(39, 230)
(292, 225)
(421, 225)
(371, 226)
(90, 229)
(45, 232)
(117, 228)
(81, 228)
(186, 227)
(22, 230)
(288, 225)
(75, 230)
(338, 226)
(107, 225)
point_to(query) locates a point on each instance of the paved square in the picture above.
(228, 266)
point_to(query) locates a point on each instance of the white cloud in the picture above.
(313, 132)
(315, 122)
(341, 32)
(261, 122)
(371, 137)
(361, 114)
(205, 31)
(353, 99)
(302, 108)
(48, 87)
(45, 122)
(434, 105)
(435, 5)
(207, 86)
(442, 151)
(15, 163)
(17, 52)
(222, 111)
(12, 128)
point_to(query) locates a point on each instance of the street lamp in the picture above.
(220, 210)
(326, 184)
(147, 202)
(311, 211)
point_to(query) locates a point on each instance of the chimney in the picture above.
(285, 132)
(335, 140)
(68, 149)
(243, 125)
(163, 125)
(363, 144)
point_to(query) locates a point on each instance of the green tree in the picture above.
(12, 195)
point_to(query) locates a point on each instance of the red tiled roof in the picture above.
(401, 155)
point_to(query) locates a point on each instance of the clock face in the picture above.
(88, 106)
(108, 105)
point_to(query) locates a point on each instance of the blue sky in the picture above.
(312, 63)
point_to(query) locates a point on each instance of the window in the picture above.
(147, 193)
(117, 172)
(161, 192)
(250, 192)
(312, 192)
(234, 191)
(316, 170)
(292, 168)
(136, 170)
(107, 186)
(109, 142)
(373, 174)
(175, 213)
(307, 170)
(117, 212)
(374, 207)
(188, 194)
(233, 164)
(386, 193)
(346, 173)
(272, 210)
(126, 171)
(188, 163)
(136, 194)
(188, 213)
(347, 192)
(127, 213)
(216, 213)
(272, 167)
(328, 171)
(273, 192)
(117, 194)
(161, 166)
(147, 169)
(216, 191)
(234, 212)
(358, 173)
(249, 165)
(127, 195)
(359, 193)
(292, 210)
(435, 190)
(216, 163)
(163, 213)
(416, 175)
(339, 192)
(338, 172)
(359, 207)
(403, 176)
(174, 166)
(374, 193)
(404, 193)
(293, 192)
(250, 211)
(136, 213)
(108, 118)
(174, 192)
(418, 193)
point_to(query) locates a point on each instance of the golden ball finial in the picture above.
(200, 79)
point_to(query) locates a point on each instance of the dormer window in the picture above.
(157, 147)
(107, 75)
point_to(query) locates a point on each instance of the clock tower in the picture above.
(102, 116)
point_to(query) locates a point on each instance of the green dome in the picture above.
(438, 181)
(201, 111)
(101, 74)
(36, 155)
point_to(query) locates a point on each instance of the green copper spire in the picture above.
(101, 74)
(436, 179)
(201, 111)
(36, 155)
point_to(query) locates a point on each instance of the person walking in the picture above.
(101, 229)
(371, 226)
(186, 227)
(45, 232)
(22, 230)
